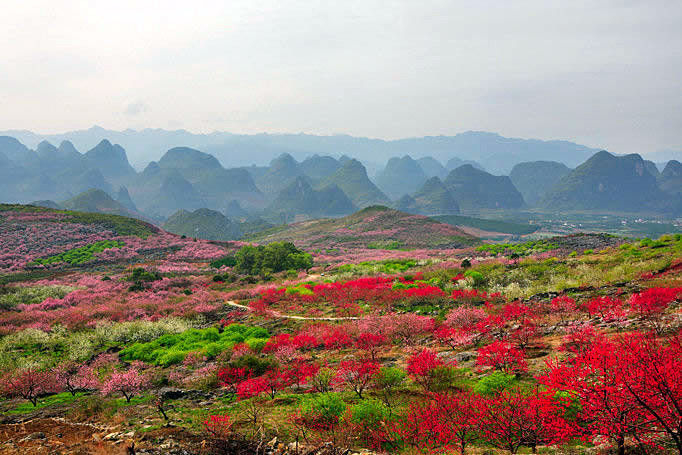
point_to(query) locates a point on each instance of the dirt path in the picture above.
(286, 316)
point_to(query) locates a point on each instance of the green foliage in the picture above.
(256, 364)
(80, 255)
(522, 249)
(494, 383)
(389, 267)
(227, 261)
(271, 258)
(444, 377)
(326, 407)
(141, 275)
(172, 348)
(13, 296)
(385, 245)
(478, 277)
(370, 413)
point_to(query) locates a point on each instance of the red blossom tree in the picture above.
(357, 375)
(28, 383)
(371, 343)
(128, 383)
(502, 356)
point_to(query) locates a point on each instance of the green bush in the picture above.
(370, 413)
(323, 408)
(478, 277)
(272, 258)
(494, 383)
(170, 349)
(227, 261)
(80, 255)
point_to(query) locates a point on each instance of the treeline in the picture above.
(265, 259)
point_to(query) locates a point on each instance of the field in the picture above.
(117, 337)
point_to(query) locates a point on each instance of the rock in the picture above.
(34, 436)
(112, 436)
(466, 355)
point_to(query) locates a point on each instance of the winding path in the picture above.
(298, 318)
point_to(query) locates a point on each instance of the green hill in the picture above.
(433, 198)
(352, 179)
(670, 179)
(401, 176)
(534, 178)
(319, 167)
(203, 224)
(606, 182)
(97, 201)
(475, 189)
(373, 227)
(299, 198)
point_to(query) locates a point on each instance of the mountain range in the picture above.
(187, 179)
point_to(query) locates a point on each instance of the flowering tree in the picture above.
(231, 377)
(443, 423)
(357, 375)
(218, 426)
(28, 383)
(627, 387)
(502, 356)
(128, 383)
(370, 342)
(455, 338)
(514, 418)
(74, 377)
(427, 369)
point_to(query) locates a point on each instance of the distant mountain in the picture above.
(13, 149)
(454, 163)
(195, 180)
(606, 182)
(123, 197)
(474, 189)
(319, 167)
(234, 210)
(110, 160)
(433, 198)
(375, 227)
(533, 179)
(495, 153)
(299, 198)
(400, 176)
(670, 179)
(352, 179)
(204, 224)
(47, 204)
(281, 173)
(186, 158)
(432, 167)
(97, 201)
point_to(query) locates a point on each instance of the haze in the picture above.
(605, 74)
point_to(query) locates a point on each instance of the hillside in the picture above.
(474, 189)
(401, 176)
(97, 201)
(300, 198)
(280, 174)
(432, 167)
(203, 224)
(433, 198)
(319, 167)
(352, 179)
(375, 226)
(606, 182)
(533, 179)
(670, 179)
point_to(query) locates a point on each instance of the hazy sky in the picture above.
(602, 73)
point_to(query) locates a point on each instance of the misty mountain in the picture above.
(202, 223)
(97, 201)
(670, 179)
(475, 189)
(433, 198)
(432, 167)
(533, 179)
(606, 182)
(299, 198)
(400, 176)
(352, 179)
(495, 153)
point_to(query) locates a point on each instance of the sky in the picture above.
(601, 73)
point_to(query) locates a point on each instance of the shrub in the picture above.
(170, 349)
(272, 258)
(493, 383)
